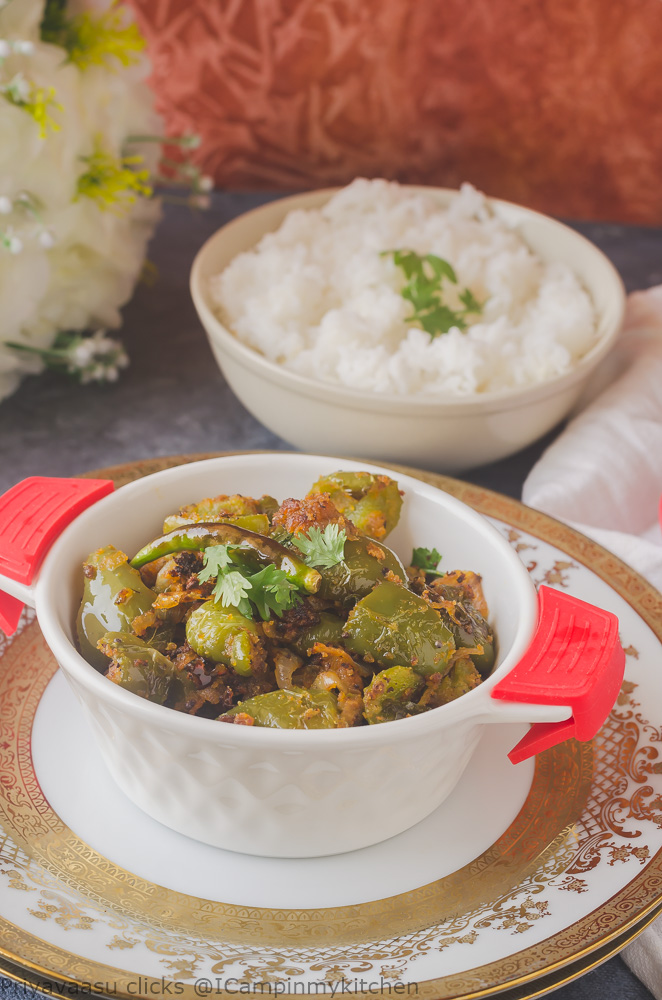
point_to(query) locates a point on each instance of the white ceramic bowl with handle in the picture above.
(281, 792)
(436, 433)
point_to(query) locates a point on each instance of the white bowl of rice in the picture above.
(302, 300)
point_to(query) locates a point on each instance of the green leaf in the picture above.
(420, 292)
(441, 267)
(408, 261)
(470, 302)
(216, 558)
(427, 559)
(423, 288)
(231, 590)
(322, 548)
(440, 319)
(271, 590)
(245, 608)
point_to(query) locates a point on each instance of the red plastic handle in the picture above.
(575, 659)
(32, 514)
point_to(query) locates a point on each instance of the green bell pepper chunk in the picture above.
(469, 628)
(359, 571)
(391, 694)
(235, 509)
(396, 627)
(328, 630)
(371, 502)
(268, 506)
(143, 670)
(460, 679)
(196, 537)
(113, 595)
(252, 522)
(224, 635)
(295, 708)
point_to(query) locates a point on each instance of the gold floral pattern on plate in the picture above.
(606, 790)
(540, 986)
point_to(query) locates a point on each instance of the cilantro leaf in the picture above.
(409, 261)
(427, 559)
(439, 319)
(269, 590)
(231, 590)
(441, 267)
(420, 292)
(272, 590)
(322, 548)
(423, 288)
(470, 302)
(216, 558)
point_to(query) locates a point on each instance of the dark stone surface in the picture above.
(173, 400)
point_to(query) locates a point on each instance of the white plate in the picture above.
(521, 872)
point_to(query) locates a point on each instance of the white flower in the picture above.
(95, 359)
(206, 183)
(65, 264)
(18, 89)
(82, 354)
(12, 242)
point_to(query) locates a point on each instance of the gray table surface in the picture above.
(173, 400)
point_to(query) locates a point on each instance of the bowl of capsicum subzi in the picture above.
(285, 654)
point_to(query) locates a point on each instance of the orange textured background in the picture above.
(555, 104)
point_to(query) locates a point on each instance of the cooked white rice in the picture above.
(317, 297)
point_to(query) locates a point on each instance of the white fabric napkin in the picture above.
(603, 476)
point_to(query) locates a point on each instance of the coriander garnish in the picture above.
(268, 590)
(322, 548)
(425, 276)
(427, 559)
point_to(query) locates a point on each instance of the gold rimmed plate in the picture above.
(530, 990)
(524, 873)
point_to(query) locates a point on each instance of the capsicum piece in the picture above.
(113, 595)
(328, 631)
(391, 694)
(371, 502)
(469, 627)
(226, 636)
(141, 669)
(246, 512)
(460, 679)
(247, 543)
(295, 708)
(394, 627)
(365, 563)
